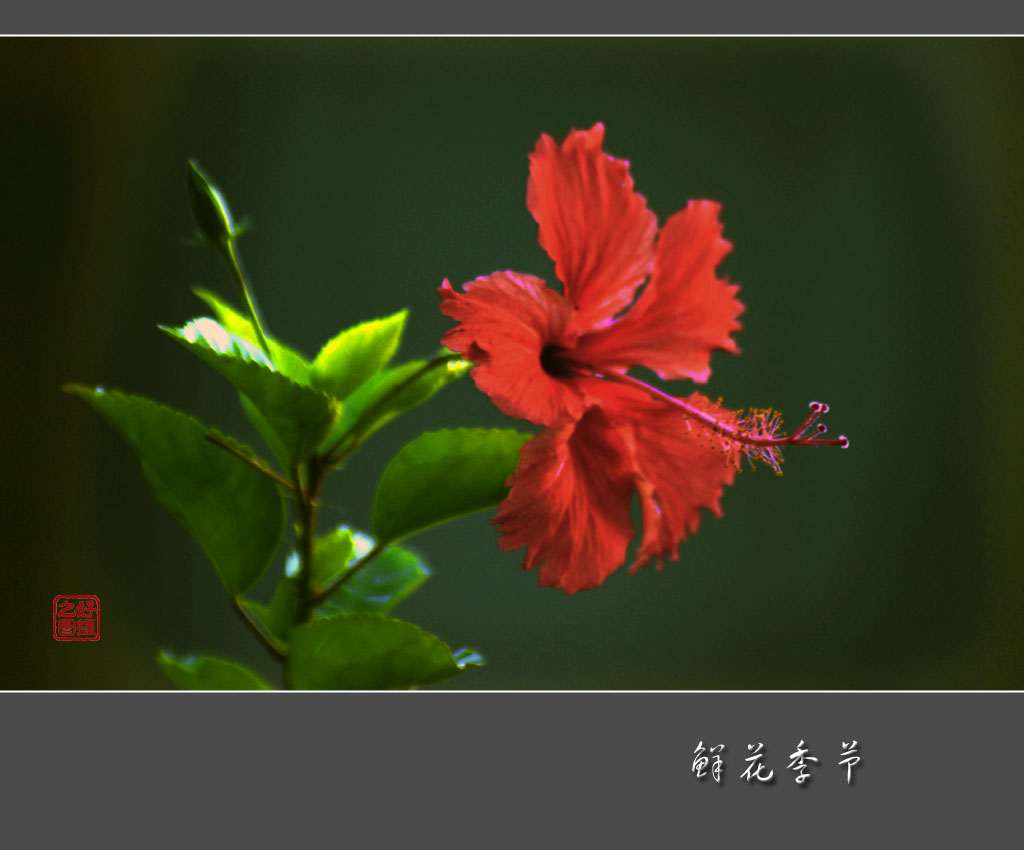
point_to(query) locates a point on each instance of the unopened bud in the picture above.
(209, 209)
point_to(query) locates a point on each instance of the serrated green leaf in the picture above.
(356, 354)
(299, 415)
(211, 334)
(234, 512)
(380, 585)
(368, 652)
(442, 475)
(281, 615)
(209, 674)
(287, 361)
(391, 392)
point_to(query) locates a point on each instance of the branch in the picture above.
(268, 640)
(332, 588)
(355, 433)
(255, 464)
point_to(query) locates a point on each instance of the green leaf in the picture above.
(356, 354)
(379, 586)
(234, 512)
(300, 416)
(209, 674)
(332, 555)
(369, 652)
(287, 361)
(266, 431)
(442, 475)
(393, 391)
(281, 615)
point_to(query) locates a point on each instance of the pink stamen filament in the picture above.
(797, 438)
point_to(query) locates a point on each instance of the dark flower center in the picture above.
(557, 361)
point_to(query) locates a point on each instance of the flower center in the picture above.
(557, 361)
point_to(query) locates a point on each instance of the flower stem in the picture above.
(243, 290)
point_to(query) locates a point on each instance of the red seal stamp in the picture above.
(76, 617)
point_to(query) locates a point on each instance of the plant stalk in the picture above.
(272, 645)
(329, 591)
(334, 456)
(255, 464)
(243, 290)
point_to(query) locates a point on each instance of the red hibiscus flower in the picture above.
(560, 360)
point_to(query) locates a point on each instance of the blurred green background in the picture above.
(872, 189)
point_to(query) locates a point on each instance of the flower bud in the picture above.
(209, 209)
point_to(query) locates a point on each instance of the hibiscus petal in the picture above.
(597, 230)
(684, 312)
(506, 321)
(569, 503)
(682, 467)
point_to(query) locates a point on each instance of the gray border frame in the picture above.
(520, 769)
(467, 17)
(594, 769)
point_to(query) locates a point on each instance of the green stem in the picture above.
(271, 643)
(243, 290)
(255, 464)
(348, 574)
(334, 456)
(306, 510)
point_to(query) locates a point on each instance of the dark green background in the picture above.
(872, 189)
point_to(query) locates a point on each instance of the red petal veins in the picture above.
(684, 312)
(682, 467)
(506, 320)
(569, 503)
(597, 230)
